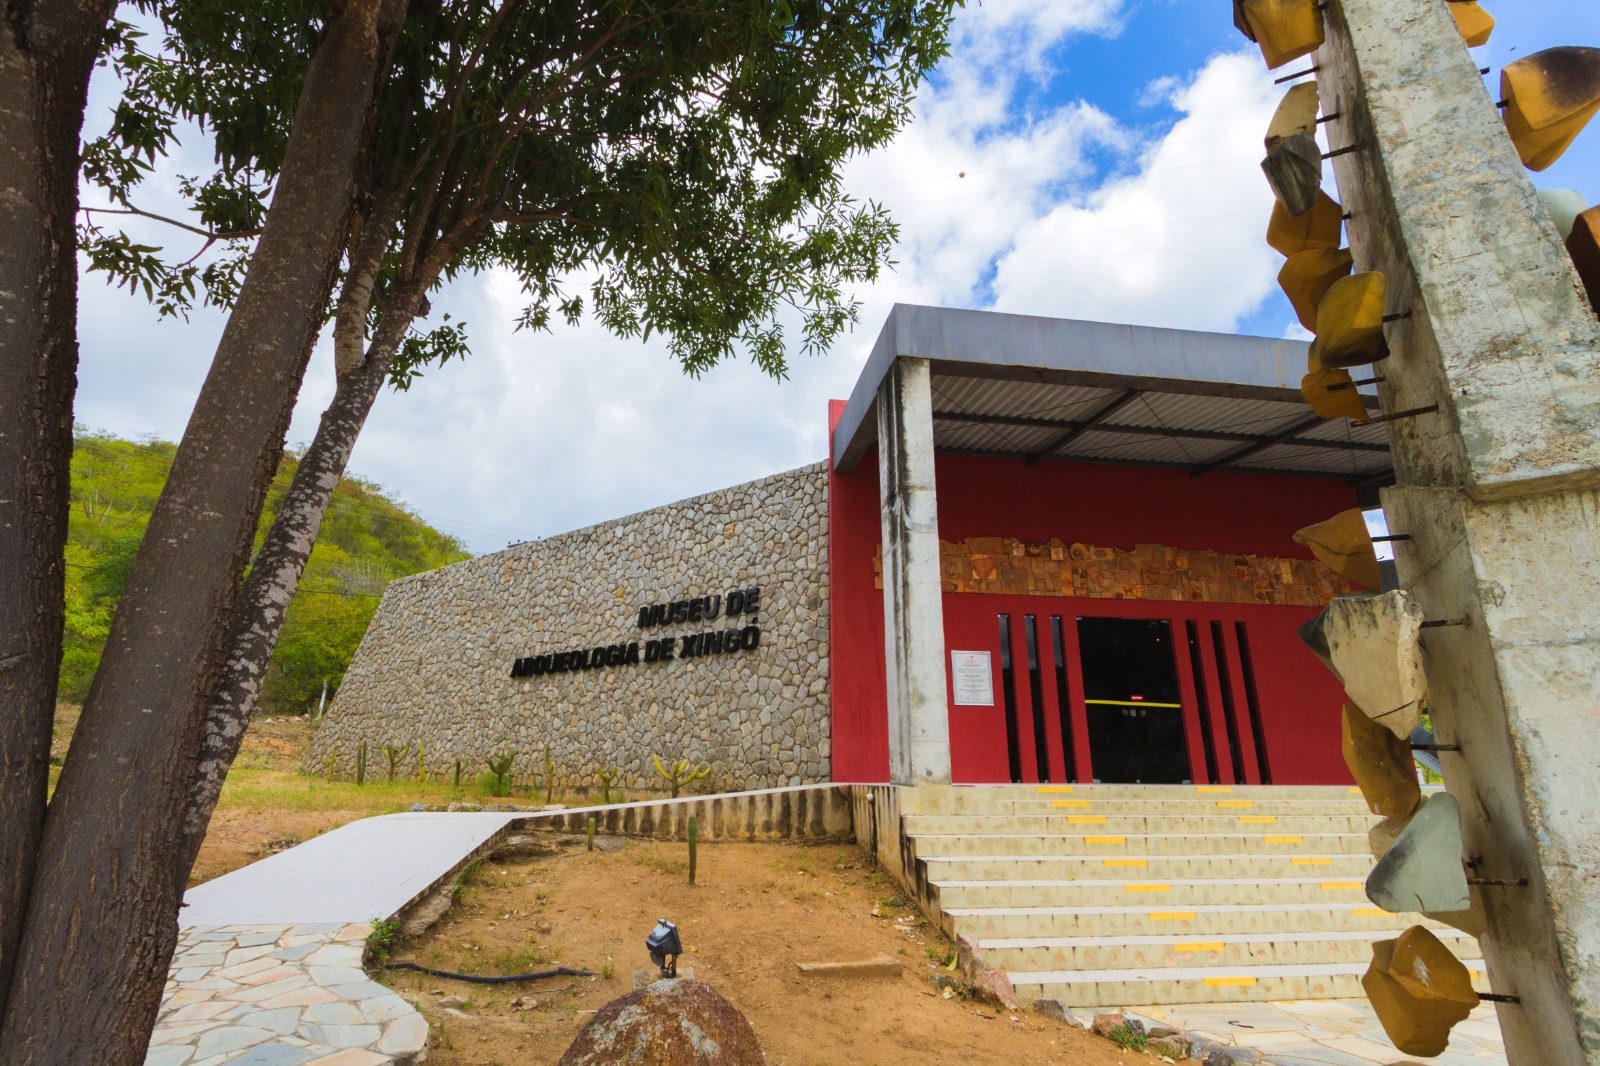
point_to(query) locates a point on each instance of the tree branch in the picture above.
(209, 235)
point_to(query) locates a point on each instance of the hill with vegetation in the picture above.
(367, 540)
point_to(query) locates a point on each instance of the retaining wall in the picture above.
(543, 644)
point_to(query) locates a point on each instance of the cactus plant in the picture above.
(682, 773)
(422, 761)
(393, 753)
(549, 776)
(333, 759)
(500, 766)
(457, 779)
(607, 775)
(694, 844)
(589, 833)
(361, 763)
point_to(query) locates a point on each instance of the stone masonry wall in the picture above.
(436, 663)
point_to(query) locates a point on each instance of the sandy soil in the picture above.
(756, 911)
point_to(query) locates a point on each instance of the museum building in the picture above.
(1040, 550)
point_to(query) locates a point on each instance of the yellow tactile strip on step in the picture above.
(1172, 916)
(1341, 886)
(1142, 886)
(1198, 946)
(1236, 803)
(1126, 862)
(1284, 840)
(1105, 840)
(1086, 819)
(1258, 819)
(1310, 860)
(1054, 788)
(1213, 788)
(1230, 982)
(1069, 803)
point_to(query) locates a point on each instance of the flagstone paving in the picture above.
(268, 969)
(295, 995)
(1323, 1032)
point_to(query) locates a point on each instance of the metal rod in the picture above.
(1503, 104)
(1296, 74)
(1506, 882)
(1481, 70)
(1435, 623)
(1392, 536)
(1346, 150)
(1354, 383)
(1395, 416)
(1436, 747)
(1397, 316)
(1328, 118)
(1345, 217)
(1499, 997)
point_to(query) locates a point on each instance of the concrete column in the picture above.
(913, 610)
(1497, 489)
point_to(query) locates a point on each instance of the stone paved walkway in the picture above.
(268, 970)
(1323, 1032)
(272, 995)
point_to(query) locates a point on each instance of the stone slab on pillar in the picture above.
(913, 608)
(1497, 490)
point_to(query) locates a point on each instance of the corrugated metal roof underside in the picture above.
(1039, 420)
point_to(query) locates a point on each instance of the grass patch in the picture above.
(258, 790)
(526, 958)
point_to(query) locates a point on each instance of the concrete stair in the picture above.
(1114, 895)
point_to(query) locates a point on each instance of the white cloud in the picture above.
(1178, 240)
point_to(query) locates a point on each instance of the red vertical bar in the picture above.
(1080, 716)
(1045, 638)
(1219, 722)
(1191, 702)
(1027, 750)
(1241, 706)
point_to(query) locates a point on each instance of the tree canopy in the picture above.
(672, 168)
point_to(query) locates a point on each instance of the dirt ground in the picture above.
(756, 911)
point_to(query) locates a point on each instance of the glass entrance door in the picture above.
(1130, 688)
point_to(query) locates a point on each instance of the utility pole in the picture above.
(1498, 490)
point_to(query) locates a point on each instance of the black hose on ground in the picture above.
(483, 979)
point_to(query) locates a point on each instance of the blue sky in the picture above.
(1083, 158)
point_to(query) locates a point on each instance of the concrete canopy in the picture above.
(1021, 386)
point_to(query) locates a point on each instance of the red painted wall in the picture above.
(1107, 506)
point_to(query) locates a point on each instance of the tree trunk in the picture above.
(46, 55)
(100, 927)
(259, 614)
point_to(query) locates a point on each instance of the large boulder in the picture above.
(670, 1023)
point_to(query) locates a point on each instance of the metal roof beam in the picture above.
(1349, 477)
(1100, 414)
(1153, 431)
(1283, 436)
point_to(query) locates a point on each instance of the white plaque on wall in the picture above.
(973, 679)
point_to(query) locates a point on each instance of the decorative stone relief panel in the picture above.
(1147, 572)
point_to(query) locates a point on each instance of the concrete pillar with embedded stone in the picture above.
(1498, 490)
(913, 610)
